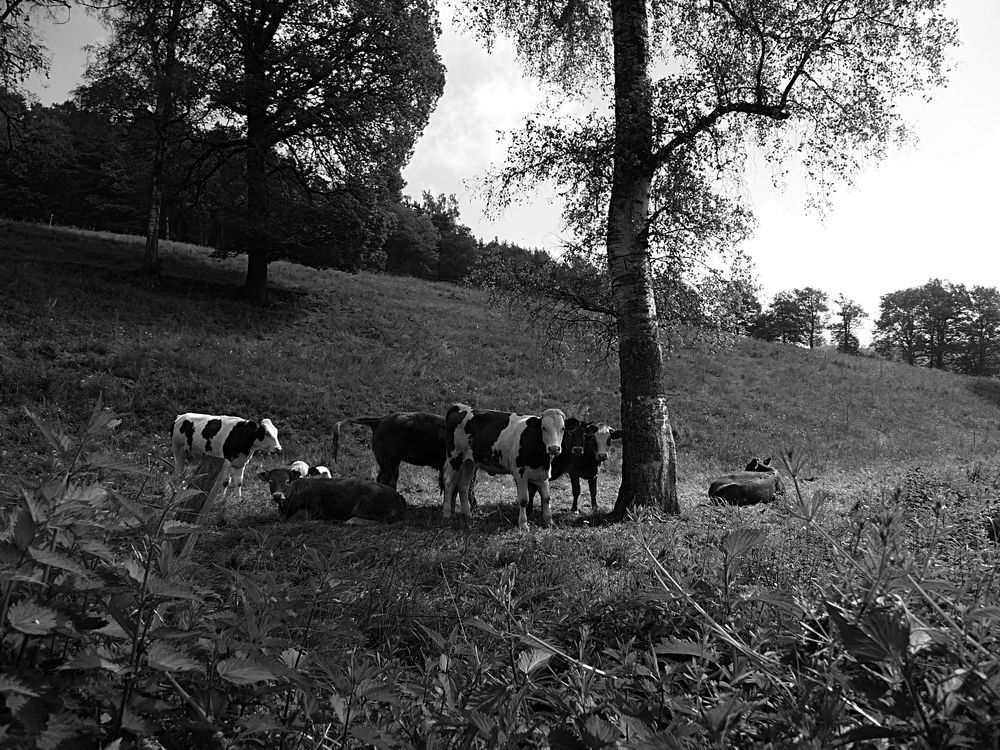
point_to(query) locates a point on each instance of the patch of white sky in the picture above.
(925, 211)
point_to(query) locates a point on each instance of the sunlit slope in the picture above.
(78, 319)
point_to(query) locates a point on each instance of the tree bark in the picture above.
(256, 178)
(649, 474)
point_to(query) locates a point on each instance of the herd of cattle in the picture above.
(533, 449)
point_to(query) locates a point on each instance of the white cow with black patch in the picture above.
(522, 445)
(233, 439)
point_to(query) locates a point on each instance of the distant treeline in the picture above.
(79, 164)
(939, 325)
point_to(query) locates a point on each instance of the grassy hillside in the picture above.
(898, 457)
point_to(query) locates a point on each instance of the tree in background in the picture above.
(412, 245)
(784, 320)
(332, 95)
(457, 249)
(815, 313)
(849, 314)
(979, 328)
(736, 73)
(942, 326)
(939, 312)
(21, 54)
(897, 330)
(149, 70)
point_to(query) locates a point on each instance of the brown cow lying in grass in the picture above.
(351, 499)
(758, 483)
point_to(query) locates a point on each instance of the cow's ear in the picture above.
(572, 424)
(294, 474)
(590, 429)
(616, 435)
(264, 476)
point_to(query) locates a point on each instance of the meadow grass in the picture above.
(898, 458)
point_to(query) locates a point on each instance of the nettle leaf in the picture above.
(741, 541)
(600, 730)
(13, 686)
(676, 647)
(28, 617)
(294, 658)
(56, 560)
(168, 589)
(166, 659)
(241, 671)
(91, 660)
(92, 495)
(529, 661)
(24, 529)
(60, 442)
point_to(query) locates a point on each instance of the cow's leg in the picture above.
(450, 475)
(465, 476)
(388, 474)
(239, 478)
(532, 489)
(522, 501)
(592, 482)
(359, 521)
(574, 480)
(543, 490)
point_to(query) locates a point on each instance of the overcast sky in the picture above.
(927, 211)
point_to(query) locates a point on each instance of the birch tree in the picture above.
(813, 80)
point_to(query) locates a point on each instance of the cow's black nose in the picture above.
(577, 451)
(554, 450)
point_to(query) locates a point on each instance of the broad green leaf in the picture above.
(91, 660)
(12, 685)
(241, 671)
(24, 529)
(737, 543)
(56, 560)
(91, 495)
(60, 442)
(28, 617)
(166, 659)
(294, 658)
(529, 661)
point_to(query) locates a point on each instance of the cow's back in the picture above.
(746, 487)
(344, 498)
(417, 438)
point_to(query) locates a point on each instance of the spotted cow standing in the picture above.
(522, 445)
(585, 450)
(233, 439)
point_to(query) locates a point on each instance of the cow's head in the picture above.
(279, 481)
(757, 465)
(597, 439)
(266, 439)
(554, 426)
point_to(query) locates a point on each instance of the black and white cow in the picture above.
(585, 449)
(522, 445)
(413, 437)
(233, 439)
(758, 483)
(351, 499)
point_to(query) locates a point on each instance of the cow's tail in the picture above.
(372, 422)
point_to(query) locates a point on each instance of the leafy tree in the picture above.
(810, 78)
(458, 250)
(21, 54)
(849, 314)
(784, 320)
(412, 245)
(980, 331)
(939, 312)
(898, 330)
(147, 70)
(815, 313)
(334, 94)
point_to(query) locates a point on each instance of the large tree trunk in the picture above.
(649, 474)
